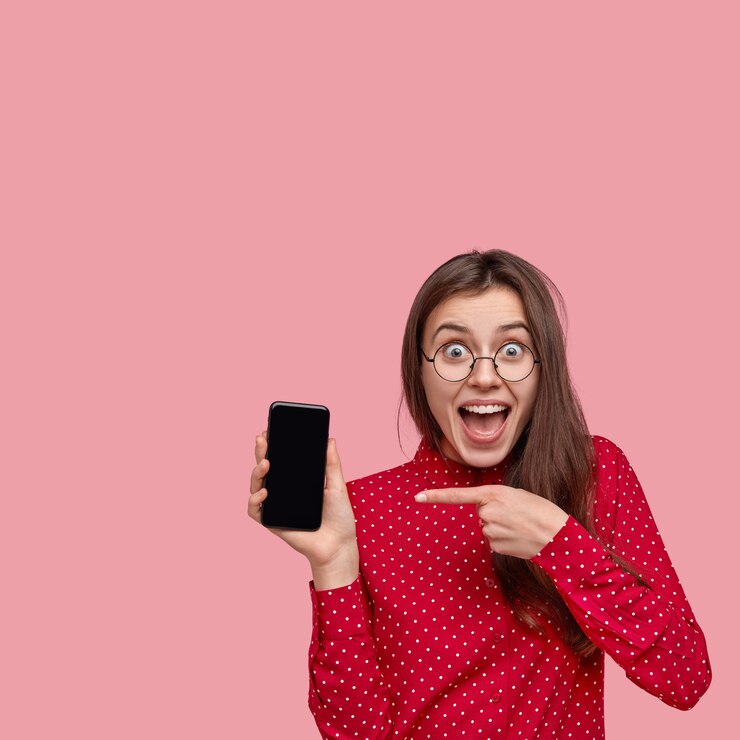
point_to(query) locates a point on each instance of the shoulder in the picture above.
(611, 463)
(610, 458)
(605, 448)
(616, 483)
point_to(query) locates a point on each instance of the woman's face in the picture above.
(482, 326)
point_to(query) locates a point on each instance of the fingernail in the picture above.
(420, 497)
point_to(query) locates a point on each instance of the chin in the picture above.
(485, 458)
(475, 458)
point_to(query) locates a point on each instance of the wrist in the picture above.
(554, 524)
(340, 571)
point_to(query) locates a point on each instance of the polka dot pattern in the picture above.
(423, 645)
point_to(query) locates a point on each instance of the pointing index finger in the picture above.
(451, 496)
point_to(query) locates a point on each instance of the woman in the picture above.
(484, 606)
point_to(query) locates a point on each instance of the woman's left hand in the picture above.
(515, 522)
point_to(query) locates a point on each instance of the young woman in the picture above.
(473, 591)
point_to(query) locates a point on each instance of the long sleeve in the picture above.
(650, 631)
(347, 694)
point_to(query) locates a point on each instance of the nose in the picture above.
(484, 373)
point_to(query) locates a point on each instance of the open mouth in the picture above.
(484, 420)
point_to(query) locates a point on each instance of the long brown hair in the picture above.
(554, 455)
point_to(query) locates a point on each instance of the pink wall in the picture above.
(207, 208)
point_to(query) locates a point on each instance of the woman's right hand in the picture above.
(336, 537)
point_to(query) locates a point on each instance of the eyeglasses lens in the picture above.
(513, 361)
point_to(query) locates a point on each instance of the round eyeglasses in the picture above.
(513, 361)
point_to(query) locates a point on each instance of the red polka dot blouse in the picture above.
(423, 644)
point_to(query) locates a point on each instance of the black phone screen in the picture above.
(297, 436)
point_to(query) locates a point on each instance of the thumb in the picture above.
(334, 474)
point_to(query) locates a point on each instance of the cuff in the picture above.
(343, 612)
(571, 556)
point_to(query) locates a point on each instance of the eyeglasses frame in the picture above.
(475, 359)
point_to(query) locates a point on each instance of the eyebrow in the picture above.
(464, 329)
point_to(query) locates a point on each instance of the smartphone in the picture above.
(297, 436)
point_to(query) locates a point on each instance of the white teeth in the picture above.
(485, 409)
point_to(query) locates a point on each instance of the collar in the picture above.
(442, 472)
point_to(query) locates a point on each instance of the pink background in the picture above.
(207, 208)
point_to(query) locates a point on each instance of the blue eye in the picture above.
(511, 351)
(455, 351)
